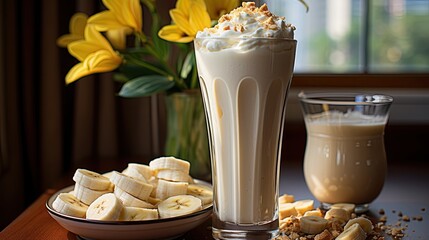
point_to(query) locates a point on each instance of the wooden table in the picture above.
(406, 190)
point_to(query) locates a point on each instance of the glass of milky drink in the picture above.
(345, 160)
(245, 65)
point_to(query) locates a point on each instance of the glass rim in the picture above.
(345, 98)
(245, 38)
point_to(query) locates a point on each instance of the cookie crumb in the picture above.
(325, 235)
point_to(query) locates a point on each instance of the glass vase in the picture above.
(187, 132)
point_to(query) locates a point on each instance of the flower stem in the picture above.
(168, 72)
(148, 66)
(180, 82)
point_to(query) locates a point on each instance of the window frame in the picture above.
(361, 80)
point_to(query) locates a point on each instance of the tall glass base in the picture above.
(225, 230)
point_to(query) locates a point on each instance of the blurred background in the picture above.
(47, 129)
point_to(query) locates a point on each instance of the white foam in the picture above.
(243, 25)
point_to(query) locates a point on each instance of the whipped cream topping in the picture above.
(246, 22)
(250, 21)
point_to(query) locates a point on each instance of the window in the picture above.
(399, 36)
(359, 36)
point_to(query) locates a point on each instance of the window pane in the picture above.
(329, 35)
(399, 36)
(332, 39)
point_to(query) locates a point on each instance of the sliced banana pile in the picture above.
(161, 189)
(301, 218)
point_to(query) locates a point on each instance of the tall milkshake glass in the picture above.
(244, 91)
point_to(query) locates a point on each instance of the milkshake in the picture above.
(245, 65)
(345, 160)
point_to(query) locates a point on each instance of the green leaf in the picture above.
(188, 63)
(145, 86)
(131, 71)
(180, 59)
(120, 77)
(156, 68)
(161, 46)
(194, 78)
(136, 51)
(150, 4)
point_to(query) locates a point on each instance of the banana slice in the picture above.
(154, 201)
(87, 195)
(173, 175)
(69, 205)
(142, 169)
(138, 214)
(287, 210)
(303, 206)
(349, 207)
(132, 172)
(154, 182)
(337, 214)
(179, 205)
(312, 224)
(171, 163)
(129, 200)
(202, 192)
(354, 232)
(190, 180)
(107, 174)
(91, 180)
(131, 185)
(166, 189)
(364, 223)
(286, 198)
(315, 212)
(107, 207)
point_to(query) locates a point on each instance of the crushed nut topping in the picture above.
(250, 8)
(290, 227)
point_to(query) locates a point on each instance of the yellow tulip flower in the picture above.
(217, 8)
(95, 53)
(189, 17)
(76, 27)
(122, 18)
